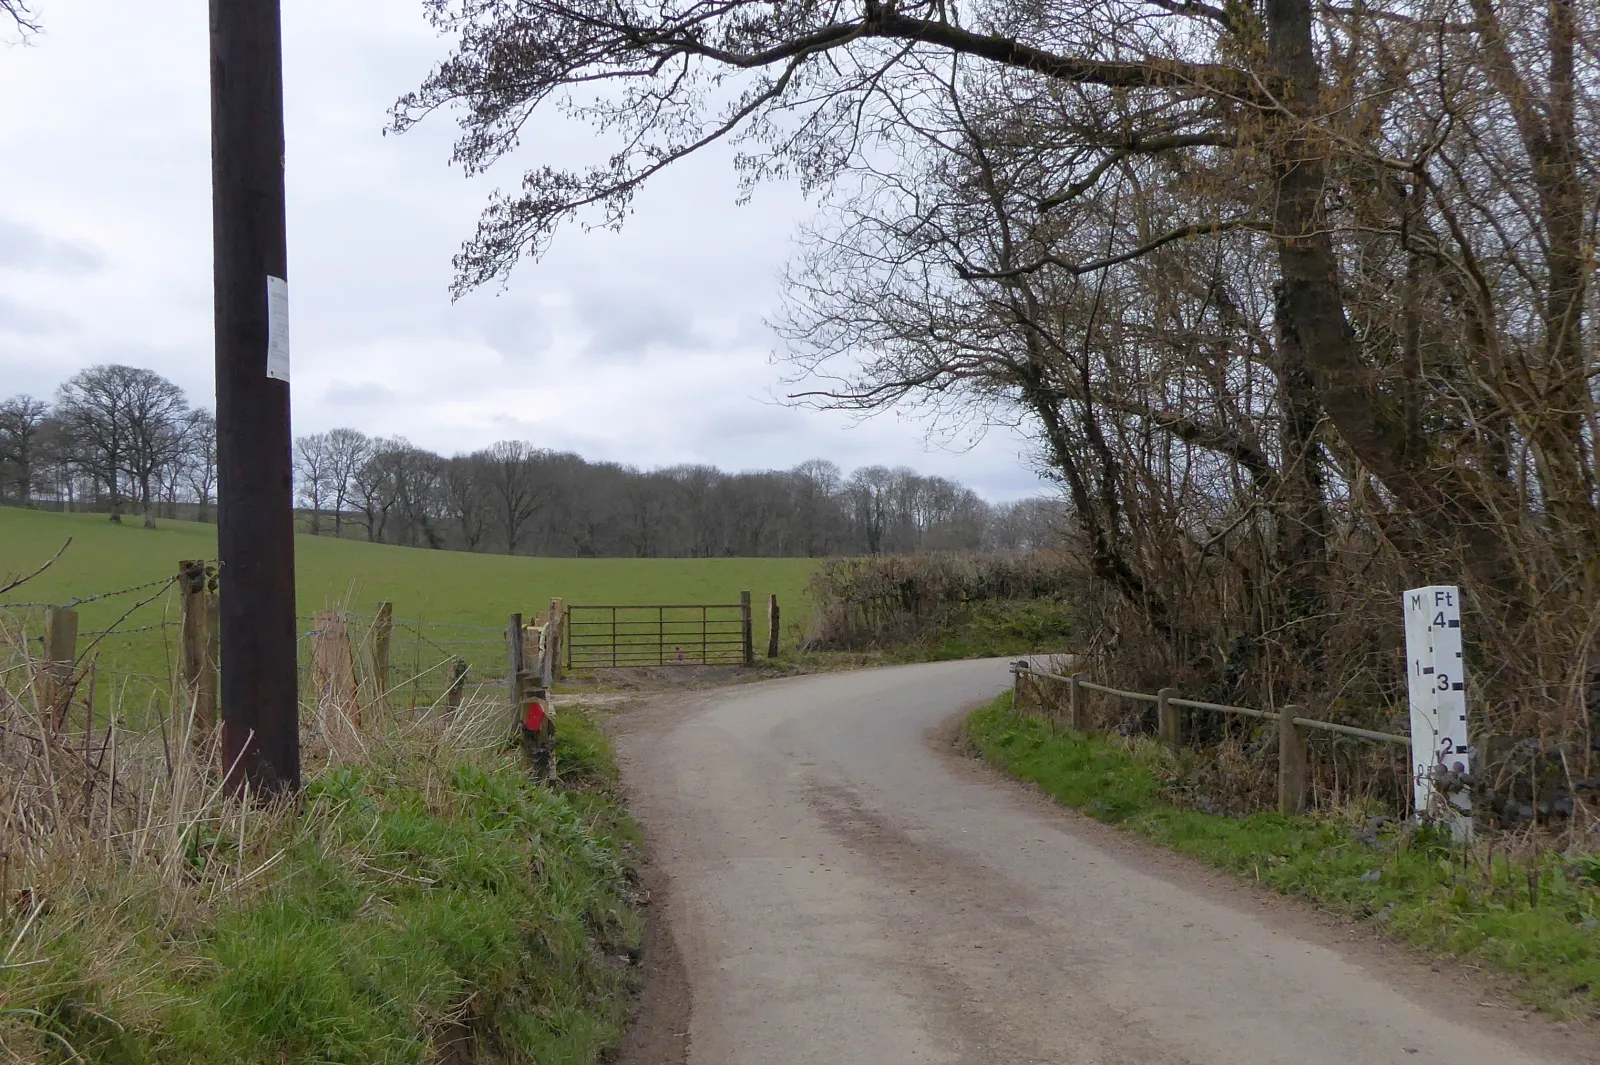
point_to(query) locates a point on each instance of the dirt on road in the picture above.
(830, 885)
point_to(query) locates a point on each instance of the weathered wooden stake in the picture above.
(1075, 708)
(458, 682)
(1168, 723)
(535, 723)
(60, 653)
(192, 640)
(382, 632)
(747, 629)
(772, 626)
(556, 635)
(514, 664)
(333, 671)
(1291, 762)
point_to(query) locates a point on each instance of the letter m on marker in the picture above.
(1416, 602)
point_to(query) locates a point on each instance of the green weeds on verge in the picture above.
(423, 897)
(1536, 918)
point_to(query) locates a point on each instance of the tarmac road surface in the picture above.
(840, 889)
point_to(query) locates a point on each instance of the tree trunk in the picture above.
(1315, 329)
(145, 502)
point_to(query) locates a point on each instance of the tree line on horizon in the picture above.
(119, 438)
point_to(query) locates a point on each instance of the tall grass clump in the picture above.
(423, 900)
(887, 601)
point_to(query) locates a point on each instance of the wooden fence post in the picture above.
(193, 648)
(772, 626)
(529, 687)
(1291, 762)
(60, 653)
(747, 629)
(333, 671)
(1168, 723)
(514, 664)
(458, 681)
(1075, 708)
(556, 636)
(382, 631)
(547, 654)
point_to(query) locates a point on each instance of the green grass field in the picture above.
(459, 601)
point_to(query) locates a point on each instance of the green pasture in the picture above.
(444, 601)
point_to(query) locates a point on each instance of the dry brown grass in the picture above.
(123, 836)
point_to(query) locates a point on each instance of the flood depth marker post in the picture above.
(255, 518)
(1436, 676)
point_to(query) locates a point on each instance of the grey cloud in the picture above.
(624, 323)
(357, 393)
(22, 320)
(24, 248)
(515, 330)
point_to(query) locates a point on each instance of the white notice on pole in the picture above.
(1436, 677)
(277, 328)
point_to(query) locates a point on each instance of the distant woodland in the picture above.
(125, 440)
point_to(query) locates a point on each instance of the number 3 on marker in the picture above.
(1444, 682)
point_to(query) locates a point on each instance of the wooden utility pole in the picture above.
(255, 517)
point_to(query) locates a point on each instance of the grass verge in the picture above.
(1534, 916)
(426, 903)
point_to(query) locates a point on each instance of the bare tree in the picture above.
(199, 463)
(93, 405)
(348, 452)
(1289, 294)
(23, 421)
(513, 475)
(313, 469)
(466, 497)
(156, 414)
(21, 15)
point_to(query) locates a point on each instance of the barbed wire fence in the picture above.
(134, 660)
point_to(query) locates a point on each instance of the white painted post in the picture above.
(1437, 681)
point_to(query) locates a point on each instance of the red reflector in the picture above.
(535, 716)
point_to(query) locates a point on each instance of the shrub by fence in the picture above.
(868, 603)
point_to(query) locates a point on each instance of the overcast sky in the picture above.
(646, 347)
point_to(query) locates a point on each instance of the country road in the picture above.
(842, 891)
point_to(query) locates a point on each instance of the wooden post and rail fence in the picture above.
(1293, 726)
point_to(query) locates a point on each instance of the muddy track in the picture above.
(831, 884)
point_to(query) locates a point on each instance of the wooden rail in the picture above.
(1292, 727)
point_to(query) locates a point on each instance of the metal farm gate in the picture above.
(605, 637)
